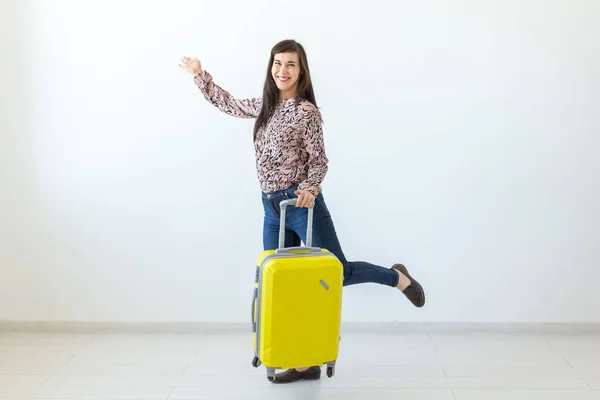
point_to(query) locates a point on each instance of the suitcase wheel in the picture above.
(256, 362)
(330, 371)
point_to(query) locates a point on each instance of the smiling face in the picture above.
(286, 72)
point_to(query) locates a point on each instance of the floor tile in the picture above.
(22, 380)
(82, 392)
(455, 383)
(393, 364)
(518, 372)
(526, 394)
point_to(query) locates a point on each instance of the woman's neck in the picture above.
(287, 95)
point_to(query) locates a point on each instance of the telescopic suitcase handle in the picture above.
(309, 227)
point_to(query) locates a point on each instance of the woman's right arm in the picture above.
(241, 108)
(224, 101)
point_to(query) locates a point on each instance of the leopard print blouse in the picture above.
(289, 149)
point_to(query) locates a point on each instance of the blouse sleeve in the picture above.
(220, 98)
(315, 147)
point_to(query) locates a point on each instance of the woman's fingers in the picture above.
(301, 199)
(183, 63)
(305, 199)
(191, 65)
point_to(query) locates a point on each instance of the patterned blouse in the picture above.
(289, 148)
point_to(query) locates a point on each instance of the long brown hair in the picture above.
(271, 91)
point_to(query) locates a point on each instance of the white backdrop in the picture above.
(462, 136)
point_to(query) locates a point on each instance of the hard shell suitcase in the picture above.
(297, 305)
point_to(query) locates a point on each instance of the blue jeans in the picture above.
(324, 236)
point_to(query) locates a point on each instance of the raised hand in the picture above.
(191, 65)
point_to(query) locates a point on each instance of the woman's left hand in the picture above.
(305, 198)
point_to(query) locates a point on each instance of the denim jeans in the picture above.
(324, 236)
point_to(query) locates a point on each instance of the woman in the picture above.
(291, 163)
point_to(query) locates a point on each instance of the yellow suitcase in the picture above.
(297, 305)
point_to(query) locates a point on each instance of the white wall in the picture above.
(462, 135)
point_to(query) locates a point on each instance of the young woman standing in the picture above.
(291, 163)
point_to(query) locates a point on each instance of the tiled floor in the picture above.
(389, 365)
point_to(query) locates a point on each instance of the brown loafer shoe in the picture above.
(292, 375)
(414, 292)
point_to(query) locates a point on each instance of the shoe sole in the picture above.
(308, 378)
